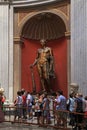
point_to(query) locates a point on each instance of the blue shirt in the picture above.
(62, 102)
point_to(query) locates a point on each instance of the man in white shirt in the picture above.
(29, 104)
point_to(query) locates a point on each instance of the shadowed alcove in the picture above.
(44, 26)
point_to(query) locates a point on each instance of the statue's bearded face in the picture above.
(42, 42)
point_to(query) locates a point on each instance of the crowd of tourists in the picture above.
(77, 105)
(34, 104)
(39, 104)
(44, 106)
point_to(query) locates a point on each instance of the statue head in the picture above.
(43, 42)
(74, 87)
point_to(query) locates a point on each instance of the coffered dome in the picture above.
(44, 26)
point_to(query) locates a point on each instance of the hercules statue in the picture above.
(45, 65)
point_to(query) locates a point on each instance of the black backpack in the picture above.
(79, 105)
(33, 101)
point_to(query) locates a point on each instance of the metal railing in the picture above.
(56, 119)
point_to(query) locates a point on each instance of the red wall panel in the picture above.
(28, 55)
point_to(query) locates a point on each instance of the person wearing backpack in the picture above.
(79, 109)
(71, 108)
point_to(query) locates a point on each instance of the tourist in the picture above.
(61, 114)
(29, 100)
(24, 96)
(1, 111)
(71, 109)
(19, 106)
(79, 110)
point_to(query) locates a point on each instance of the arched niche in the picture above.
(57, 13)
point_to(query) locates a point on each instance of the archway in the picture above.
(52, 28)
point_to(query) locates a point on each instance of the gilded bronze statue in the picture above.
(45, 65)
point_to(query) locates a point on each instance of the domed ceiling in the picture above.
(44, 26)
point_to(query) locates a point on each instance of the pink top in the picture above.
(85, 105)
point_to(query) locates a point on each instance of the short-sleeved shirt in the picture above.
(62, 100)
(71, 102)
(29, 98)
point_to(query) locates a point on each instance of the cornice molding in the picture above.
(16, 39)
(67, 34)
(4, 3)
(33, 3)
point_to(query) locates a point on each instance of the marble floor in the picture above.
(9, 126)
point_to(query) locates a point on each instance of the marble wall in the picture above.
(79, 44)
(4, 12)
(6, 51)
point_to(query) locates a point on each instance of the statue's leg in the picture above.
(45, 71)
(43, 84)
(46, 75)
(41, 76)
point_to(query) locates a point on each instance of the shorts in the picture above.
(29, 108)
(38, 113)
(61, 114)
